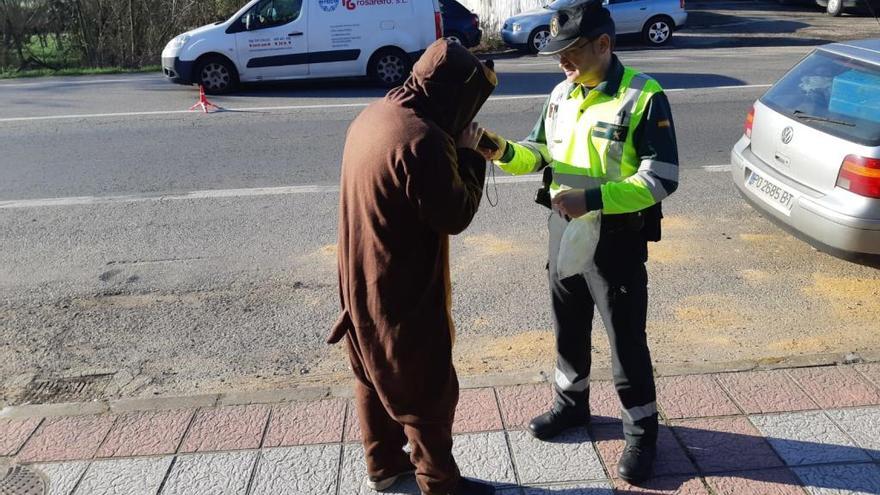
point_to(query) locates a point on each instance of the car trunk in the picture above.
(825, 108)
(804, 154)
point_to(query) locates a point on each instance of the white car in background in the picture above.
(655, 20)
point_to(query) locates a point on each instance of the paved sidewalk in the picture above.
(801, 430)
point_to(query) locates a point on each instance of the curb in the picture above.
(275, 396)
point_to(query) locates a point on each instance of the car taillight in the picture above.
(438, 25)
(860, 175)
(750, 120)
(476, 21)
(681, 3)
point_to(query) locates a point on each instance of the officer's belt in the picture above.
(624, 222)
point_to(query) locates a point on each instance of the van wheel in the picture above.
(658, 31)
(834, 8)
(389, 67)
(538, 39)
(217, 75)
(456, 37)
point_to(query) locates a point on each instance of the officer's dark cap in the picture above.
(580, 19)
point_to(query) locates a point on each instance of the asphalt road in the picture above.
(174, 253)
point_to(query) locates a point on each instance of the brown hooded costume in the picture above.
(404, 189)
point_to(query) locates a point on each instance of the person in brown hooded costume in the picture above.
(411, 176)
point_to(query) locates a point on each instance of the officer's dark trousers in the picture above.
(619, 289)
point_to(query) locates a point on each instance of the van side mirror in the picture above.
(248, 20)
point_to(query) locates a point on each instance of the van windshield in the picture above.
(269, 13)
(834, 94)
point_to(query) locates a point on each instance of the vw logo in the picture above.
(787, 134)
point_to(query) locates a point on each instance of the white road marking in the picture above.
(314, 107)
(233, 193)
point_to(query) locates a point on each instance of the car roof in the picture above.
(865, 50)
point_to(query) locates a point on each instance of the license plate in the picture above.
(773, 193)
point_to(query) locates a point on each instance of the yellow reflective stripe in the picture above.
(565, 168)
(525, 160)
(627, 196)
(539, 149)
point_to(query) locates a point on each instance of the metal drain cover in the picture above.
(76, 389)
(22, 480)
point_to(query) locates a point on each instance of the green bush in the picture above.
(54, 36)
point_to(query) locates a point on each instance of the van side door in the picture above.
(340, 31)
(271, 40)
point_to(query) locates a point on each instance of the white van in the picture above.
(269, 40)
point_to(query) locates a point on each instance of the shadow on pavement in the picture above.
(530, 83)
(705, 19)
(734, 456)
(726, 41)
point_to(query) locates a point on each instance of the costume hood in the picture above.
(448, 85)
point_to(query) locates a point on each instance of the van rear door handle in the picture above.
(295, 33)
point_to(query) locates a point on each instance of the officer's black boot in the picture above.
(554, 422)
(637, 463)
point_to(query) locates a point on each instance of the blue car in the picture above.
(460, 24)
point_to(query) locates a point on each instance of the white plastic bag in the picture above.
(577, 248)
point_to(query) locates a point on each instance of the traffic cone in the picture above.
(203, 102)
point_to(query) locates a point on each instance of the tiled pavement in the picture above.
(795, 431)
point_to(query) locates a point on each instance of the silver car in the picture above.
(809, 157)
(654, 19)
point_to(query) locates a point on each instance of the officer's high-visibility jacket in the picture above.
(616, 141)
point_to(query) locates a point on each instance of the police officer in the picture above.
(606, 142)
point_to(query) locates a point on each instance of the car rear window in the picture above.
(832, 93)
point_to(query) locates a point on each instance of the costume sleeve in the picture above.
(657, 176)
(446, 184)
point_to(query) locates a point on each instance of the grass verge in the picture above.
(9, 73)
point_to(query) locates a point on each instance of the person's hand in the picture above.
(571, 202)
(499, 141)
(469, 137)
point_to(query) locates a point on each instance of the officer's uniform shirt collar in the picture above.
(609, 86)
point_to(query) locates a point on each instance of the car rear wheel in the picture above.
(217, 75)
(834, 8)
(658, 31)
(538, 39)
(389, 67)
